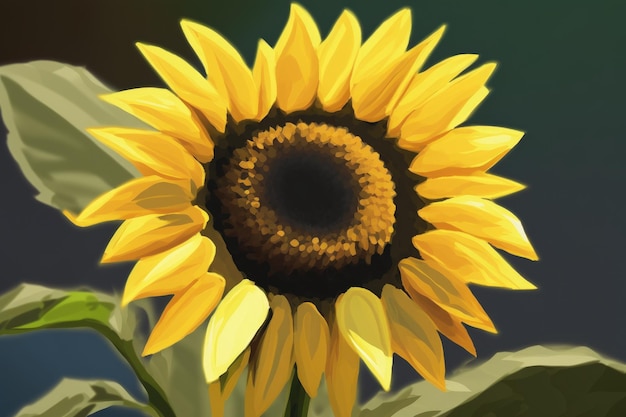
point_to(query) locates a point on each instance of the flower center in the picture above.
(310, 190)
(307, 196)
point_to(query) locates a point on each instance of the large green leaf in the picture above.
(79, 398)
(46, 107)
(538, 381)
(32, 307)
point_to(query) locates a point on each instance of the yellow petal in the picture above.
(446, 109)
(468, 259)
(161, 109)
(171, 271)
(363, 323)
(264, 74)
(374, 97)
(220, 390)
(187, 83)
(451, 295)
(274, 360)
(483, 219)
(311, 344)
(342, 374)
(225, 68)
(297, 71)
(414, 336)
(479, 184)
(153, 233)
(152, 153)
(231, 328)
(448, 325)
(185, 312)
(137, 197)
(465, 150)
(336, 58)
(388, 42)
(424, 85)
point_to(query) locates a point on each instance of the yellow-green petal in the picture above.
(483, 219)
(161, 109)
(336, 59)
(311, 344)
(363, 323)
(220, 390)
(468, 259)
(231, 328)
(342, 374)
(225, 68)
(479, 184)
(187, 83)
(273, 362)
(450, 294)
(414, 335)
(137, 197)
(423, 85)
(264, 74)
(448, 325)
(152, 153)
(185, 312)
(388, 42)
(171, 271)
(465, 150)
(374, 97)
(297, 70)
(153, 233)
(446, 109)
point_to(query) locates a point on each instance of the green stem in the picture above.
(298, 402)
(157, 400)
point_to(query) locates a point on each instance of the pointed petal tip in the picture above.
(298, 11)
(106, 258)
(404, 13)
(147, 351)
(71, 217)
(297, 8)
(385, 382)
(147, 50)
(438, 33)
(441, 384)
(527, 286)
(189, 25)
(347, 13)
(185, 22)
(490, 67)
(106, 97)
(125, 300)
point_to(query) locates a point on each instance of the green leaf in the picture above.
(537, 381)
(29, 307)
(79, 398)
(32, 307)
(46, 107)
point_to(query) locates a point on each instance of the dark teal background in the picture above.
(560, 79)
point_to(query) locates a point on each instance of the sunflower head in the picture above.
(327, 205)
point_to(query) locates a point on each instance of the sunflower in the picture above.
(323, 207)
